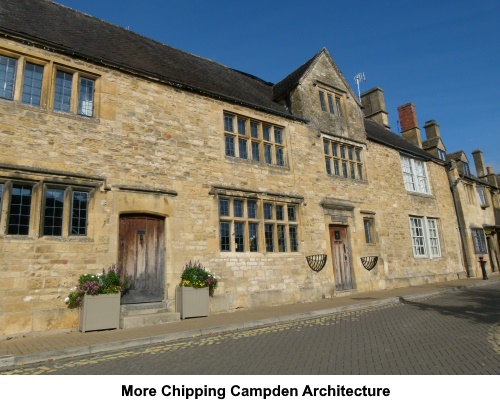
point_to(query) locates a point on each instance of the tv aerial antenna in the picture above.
(359, 78)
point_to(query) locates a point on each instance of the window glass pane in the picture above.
(224, 237)
(1, 198)
(334, 149)
(242, 148)
(294, 241)
(229, 145)
(336, 167)
(338, 105)
(291, 213)
(268, 211)
(421, 176)
(326, 147)
(358, 155)
(266, 132)
(255, 152)
(20, 211)
(267, 154)
(344, 169)
(86, 97)
(280, 213)
(53, 215)
(239, 237)
(280, 160)
(252, 209)
(360, 172)
(368, 230)
(466, 168)
(322, 100)
(417, 233)
(7, 77)
(228, 123)
(32, 84)
(328, 163)
(79, 213)
(62, 95)
(480, 193)
(242, 126)
(330, 103)
(342, 151)
(281, 238)
(238, 208)
(224, 208)
(278, 135)
(254, 129)
(269, 237)
(353, 170)
(407, 173)
(253, 234)
(479, 241)
(350, 153)
(433, 238)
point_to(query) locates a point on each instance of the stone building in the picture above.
(477, 205)
(119, 149)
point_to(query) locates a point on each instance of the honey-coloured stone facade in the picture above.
(156, 150)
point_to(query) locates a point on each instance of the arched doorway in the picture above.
(141, 257)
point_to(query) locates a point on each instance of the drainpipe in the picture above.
(459, 219)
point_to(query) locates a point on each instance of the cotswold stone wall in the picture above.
(148, 137)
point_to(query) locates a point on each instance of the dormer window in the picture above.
(441, 154)
(466, 169)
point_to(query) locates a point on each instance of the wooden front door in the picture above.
(142, 252)
(341, 258)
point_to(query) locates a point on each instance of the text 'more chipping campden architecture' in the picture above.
(116, 148)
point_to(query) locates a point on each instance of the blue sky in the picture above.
(441, 55)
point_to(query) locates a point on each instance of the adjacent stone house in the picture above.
(119, 149)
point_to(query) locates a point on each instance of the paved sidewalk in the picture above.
(47, 347)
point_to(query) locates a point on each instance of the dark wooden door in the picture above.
(142, 252)
(341, 258)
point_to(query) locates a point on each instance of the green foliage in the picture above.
(196, 276)
(109, 282)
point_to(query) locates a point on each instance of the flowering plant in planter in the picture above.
(196, 276)
(106, 282)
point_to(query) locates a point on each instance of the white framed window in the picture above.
(479, 241)
(482, 196)
(425, 237)
(415, 175)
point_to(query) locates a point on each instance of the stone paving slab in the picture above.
(47, 347)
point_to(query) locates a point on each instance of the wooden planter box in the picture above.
(99, 312)
(191, 302)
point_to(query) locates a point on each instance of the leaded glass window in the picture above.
(53, 212)
(32, 84)
(7, 77)
(62, 94)
(79, 212)
(20, 210)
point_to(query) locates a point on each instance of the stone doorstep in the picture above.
(136, 315)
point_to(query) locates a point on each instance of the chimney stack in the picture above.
(491, 177)
(409, 125)
(432, 130)
(479, 163)
(374, 106)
